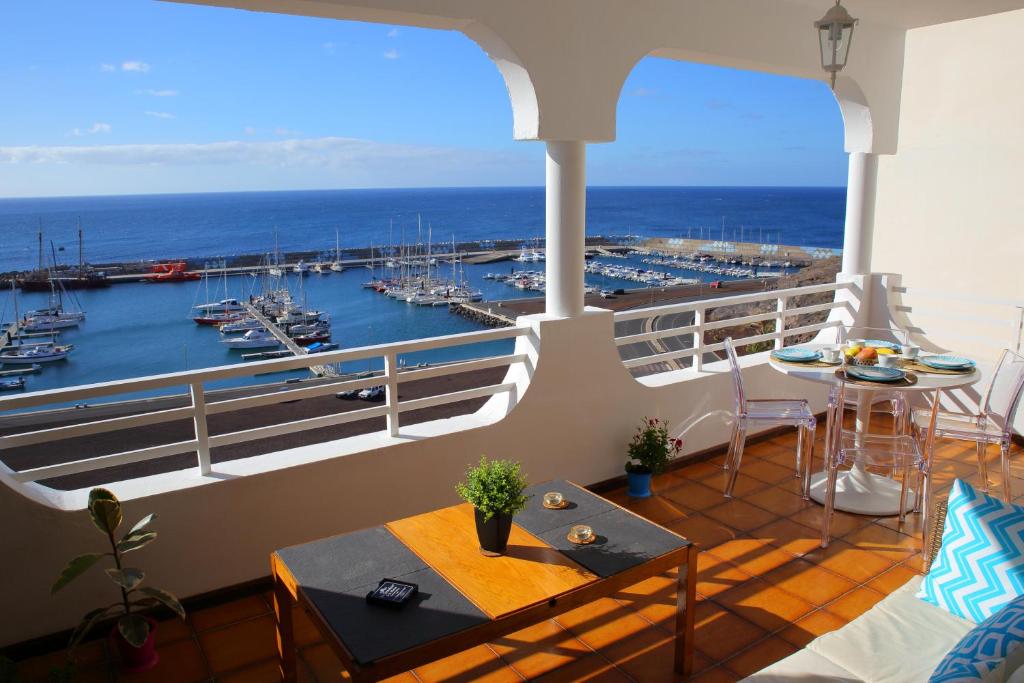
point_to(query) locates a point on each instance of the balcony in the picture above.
(764, 588)
(235, 473)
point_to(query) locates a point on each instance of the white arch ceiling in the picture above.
(564, 62)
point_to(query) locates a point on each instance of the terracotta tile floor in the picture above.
(765, 589)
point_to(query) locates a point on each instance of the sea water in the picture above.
(140, 329)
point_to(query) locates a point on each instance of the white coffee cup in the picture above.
(909, 350)
(888, 360)
(830, 354)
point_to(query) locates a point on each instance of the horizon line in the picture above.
(417, 187)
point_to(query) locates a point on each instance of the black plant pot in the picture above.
(493, 534)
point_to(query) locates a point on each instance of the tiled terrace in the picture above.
(765, 589)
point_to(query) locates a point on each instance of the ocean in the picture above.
(138, 329)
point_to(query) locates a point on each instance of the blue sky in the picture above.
(138, 96)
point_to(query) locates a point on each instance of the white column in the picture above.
(566, 203)
(860, 213)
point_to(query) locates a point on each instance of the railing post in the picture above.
(780, 322)
(201, 428)
(698, 339)
(391, 391)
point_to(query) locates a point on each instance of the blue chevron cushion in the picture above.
(980, 567)
(984, 647)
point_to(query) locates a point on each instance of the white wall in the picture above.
(573, 421)
(950, 203)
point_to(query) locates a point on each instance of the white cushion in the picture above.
(902, 638)
(803, 667)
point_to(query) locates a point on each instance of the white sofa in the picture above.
(900, 640)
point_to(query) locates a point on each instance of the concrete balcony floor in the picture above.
(765, 589)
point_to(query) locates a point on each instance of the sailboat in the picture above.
(336, 266)
(54, 317)
(38, 352)
(217, 312)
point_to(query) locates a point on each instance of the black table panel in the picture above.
(336, 574)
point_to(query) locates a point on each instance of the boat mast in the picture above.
(81, 257)
(40, 245)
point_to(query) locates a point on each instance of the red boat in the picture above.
(217, 318)
(171, 272)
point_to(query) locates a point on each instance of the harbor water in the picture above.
(139, 329)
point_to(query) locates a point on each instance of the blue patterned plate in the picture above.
(875, 373)
(878, 344)
(947, 362)
(797, 355)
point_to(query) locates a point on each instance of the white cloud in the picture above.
(91, 130)
(283, 132)
(348, 154)
(249, 130)
(393, 33)
(160, 114)
(137, 66)
(157, 93)
(391, 54)
(643, 92)
(108, 67)
(329, 47)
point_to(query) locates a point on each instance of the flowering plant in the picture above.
(652, 447)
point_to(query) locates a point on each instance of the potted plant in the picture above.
(133, 632)
(495, 489)
(649, 452)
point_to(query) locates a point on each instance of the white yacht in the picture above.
(253, 339)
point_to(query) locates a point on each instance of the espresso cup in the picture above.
(830, 354)
(888, 360)
(909, 351)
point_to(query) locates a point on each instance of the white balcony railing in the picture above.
(689, 336)
(199, 408)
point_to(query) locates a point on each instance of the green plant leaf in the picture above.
(85, 625)
(105, 510)
(141, 524)
(166, 598)
(134, 628)
(135, 541)
(494, 487)
(128, 578)
(74, 569)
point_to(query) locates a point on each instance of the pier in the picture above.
(288, 342)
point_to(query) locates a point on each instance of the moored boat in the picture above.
(253, 339)
(37, 353)
(12, 384)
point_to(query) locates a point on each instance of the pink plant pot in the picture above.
(136, 658)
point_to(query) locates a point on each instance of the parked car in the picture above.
(348, 395)
(372, 394)
(607, 294)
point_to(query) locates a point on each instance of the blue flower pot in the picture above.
(639, 485)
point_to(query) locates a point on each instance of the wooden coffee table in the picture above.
(466, 599)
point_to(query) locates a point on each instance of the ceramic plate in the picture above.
(796, 355)
(875, 373)
(878, 344)
(947, 362)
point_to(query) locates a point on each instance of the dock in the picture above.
(288, 342)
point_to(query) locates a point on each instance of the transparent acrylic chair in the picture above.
(898, 453)
(885, 402)
(992, 424)
(793, 412)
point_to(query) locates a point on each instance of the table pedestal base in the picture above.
(862, 493)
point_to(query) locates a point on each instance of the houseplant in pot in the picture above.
(133, 632)
(649, 453)
(495, 490)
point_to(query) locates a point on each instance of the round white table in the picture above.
(858, 490)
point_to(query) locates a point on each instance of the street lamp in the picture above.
(835, 31)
